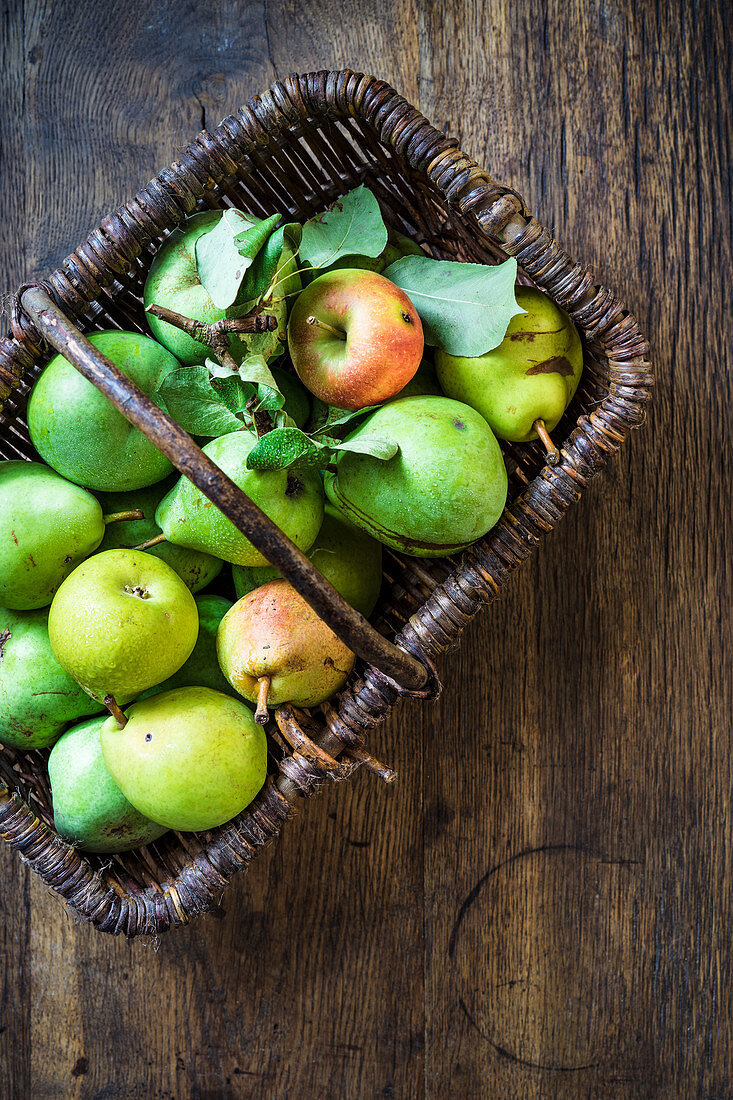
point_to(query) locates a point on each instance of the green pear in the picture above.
(190, 759)
(173, 281)
(89, 809)
(48, 527)
(195, 569)
(80, 433)
(274, 649)
(445, 488)
(202, 667)
(294, 501)
(37, 697)
(346, 556)
(530, 377)
(122, 622)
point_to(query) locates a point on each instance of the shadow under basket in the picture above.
(294, 150)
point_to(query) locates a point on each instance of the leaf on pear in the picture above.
(269, 344)
(330, 416)
(235, 393)
(464, 308)
(193, 403)
(369, 445)
(219, 263)
(268, 399)
(250, 241)
(352, 226)
(286, 278)
(285, 447)
(275, 263)
(217, 370)
(255, 369)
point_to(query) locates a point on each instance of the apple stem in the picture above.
(263, 690)
(324, 324)
(553, 455)
(151, 542)
(120, 517)
(114, 708)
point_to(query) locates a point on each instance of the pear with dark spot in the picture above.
(293, 501)
(445, 488)
(524, 385)
(48, 527)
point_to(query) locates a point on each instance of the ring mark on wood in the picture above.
(525, 949)
(504, 1053)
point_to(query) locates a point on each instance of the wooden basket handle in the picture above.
(181, 450)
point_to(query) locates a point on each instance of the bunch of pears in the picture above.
(152, 693)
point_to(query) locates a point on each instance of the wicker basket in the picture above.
(305, 142)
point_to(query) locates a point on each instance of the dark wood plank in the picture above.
(581, 864)
(555, 923)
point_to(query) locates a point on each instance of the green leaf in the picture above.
(464, 308)
(275, 260)
(216, 370)
(352, 226)
(255, 369)
(234, 393)
(219, 263)
(268, 399)
(369, 445)
(287, 275)
(193, 403)
(327, 417)
(251, 240)
(284, 447)
(269, 344)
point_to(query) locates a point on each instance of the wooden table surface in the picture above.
(541, 907)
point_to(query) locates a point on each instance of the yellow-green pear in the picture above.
(189, 759)
(523, 386)
(122, 622)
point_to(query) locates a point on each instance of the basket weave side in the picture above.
(270, 152)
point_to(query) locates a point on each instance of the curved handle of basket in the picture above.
(178, 446)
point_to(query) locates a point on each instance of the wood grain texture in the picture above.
(541, 907)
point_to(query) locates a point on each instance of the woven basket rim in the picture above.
(502, 216)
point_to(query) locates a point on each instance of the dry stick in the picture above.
(217, 337)
(263, 690)
(553, 455)
(256, 322)
(114, 708)
(361, 756)
(121, 517)
(150, 542)
(324, 324)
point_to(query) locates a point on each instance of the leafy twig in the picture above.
(217, 336)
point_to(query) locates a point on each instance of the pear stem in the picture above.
(553, 455)
(121, 517)
(263, 690)
(324, 324)
(151, 542)
(114, 708)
